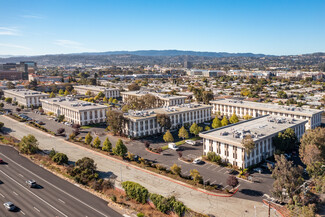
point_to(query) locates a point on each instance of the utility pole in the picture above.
(269, 208)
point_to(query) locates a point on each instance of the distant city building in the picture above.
(109, 92)
(255, 109)
(14, 71)
(144, 123)
(44, 78)
(26, 97)
(162, 99)
(187, 64)
(75, 111)
(205, 73)
(227, 141)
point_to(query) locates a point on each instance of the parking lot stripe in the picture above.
(2, 195)
(214, 169)
(20, 175)
(61, 201)
(213, 182)
(36, 209)
(22, 212)
(221, 169)
(15, 193)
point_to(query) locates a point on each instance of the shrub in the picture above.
(165, 205)
(135, 191)
(107, 145)
(1, 125)
(96, 143)
(88, 139)
(60, 158)
(176, 169)
(72, 136)
(113, 198)
(52, 153)
(140, 214)
(28, 145)
(232, 181)
(120, 149)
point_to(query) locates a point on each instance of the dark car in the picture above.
(31, 183)
(9, 206)
(1, 161)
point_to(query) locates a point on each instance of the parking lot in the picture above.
(212, 173)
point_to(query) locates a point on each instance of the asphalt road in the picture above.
(53, 197)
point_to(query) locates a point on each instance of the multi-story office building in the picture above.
(162, 99)
(14, 71)
(254, 109)
(227, 141)
(144, 123)
(75, 111)
(26, 97)
(109, 92)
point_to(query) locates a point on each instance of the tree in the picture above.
(182, 133)
(60, 131)
(120, 149)
(61, 118)
(168, 137)
(61, 92)
(66, 93)
(133, 87)
(233, 119)
(88, 93)
(247, 117)
(196, 176)
(286, 141)
(207, 96)
(96, 142)
(207, 128)
(195, 129)
(232, 181)
(72, 136)
(52, 95)
(101, 94)
(281, 94)
(104, 99)
(176, 169)
(115, 120)
(10, 85)
(1, 105)
(28, 145)
(248, 144)
(110, 100)
(164, 121)
(216, 123)
(107, 145)
(60, 158)
(287, 177)
(8, 100)
(224, 121)
(114, 101)
(1, 125)
(88, 138)
(312, 150)
(84, 170)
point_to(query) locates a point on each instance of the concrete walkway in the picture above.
(198, 201)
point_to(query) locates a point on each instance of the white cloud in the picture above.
(8, 31)
(14, 46)
(73, 45)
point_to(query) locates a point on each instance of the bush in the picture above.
(113, 198)
(136, 191)
(60, 158)
(107, 145)
(165, 205)
(52, 153)
(140, 214)
(176, 169)
(212, 156)
(120, 149)
(28, 145)
(88, 139)
(72, 136)
(232, 181)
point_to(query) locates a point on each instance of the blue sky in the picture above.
(280, 27)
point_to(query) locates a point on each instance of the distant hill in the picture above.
(176, 53)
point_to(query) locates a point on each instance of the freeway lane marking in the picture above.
(20, 175)
(36, 209)
(54, 186)
(61, 201)
(22, 212)
(15, 193)
(33, 193)
(2, 195)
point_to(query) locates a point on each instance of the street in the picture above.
(52, 197)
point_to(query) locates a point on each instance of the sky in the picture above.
(277, 27)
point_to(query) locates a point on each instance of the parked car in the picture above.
(40, 122)
(258, 170)
(190, 142)
(198, 161)
(1, 161)
(173, 146)
(9, 206)
(31, 183)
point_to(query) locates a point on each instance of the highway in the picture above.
(54, 197)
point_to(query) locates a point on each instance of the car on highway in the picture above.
(31, 183)
(1, 161)
(198, 161)
(9, 206)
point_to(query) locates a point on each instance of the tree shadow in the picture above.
(251, 192)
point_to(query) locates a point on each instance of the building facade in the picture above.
(162, 99)
(16, 71)
(144, 123)
(227, 141)
(75, 111)
(109, 92)
(26, 97)
(254, 109)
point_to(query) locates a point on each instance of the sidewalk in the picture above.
(198, 201)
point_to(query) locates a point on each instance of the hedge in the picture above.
(136, 191)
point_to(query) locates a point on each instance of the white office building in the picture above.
(255, 109)
(144, 123)
(109, 92)
(75, 111)
(25, 97)
(227, 141)
(162, 99)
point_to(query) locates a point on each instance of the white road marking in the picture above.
(22, 212)
(207, 180)
(61, 201)
(226, 172)
(213, 182)
(55, 186)
(226, 186)
(33, 194)
(15, 193)
(20, 175)
(2, 195)
(222, 169)
(215, 168)
(37, 209)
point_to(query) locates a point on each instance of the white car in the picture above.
(197, 161)
(190, 142)
(173, 146)
(258, 170)
(9, 206)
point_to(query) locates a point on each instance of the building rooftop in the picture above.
(160, 95)
(25, 92)
(164, 110)
(73, 104)
(258, 128)
(268, 106)
(93, 87)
